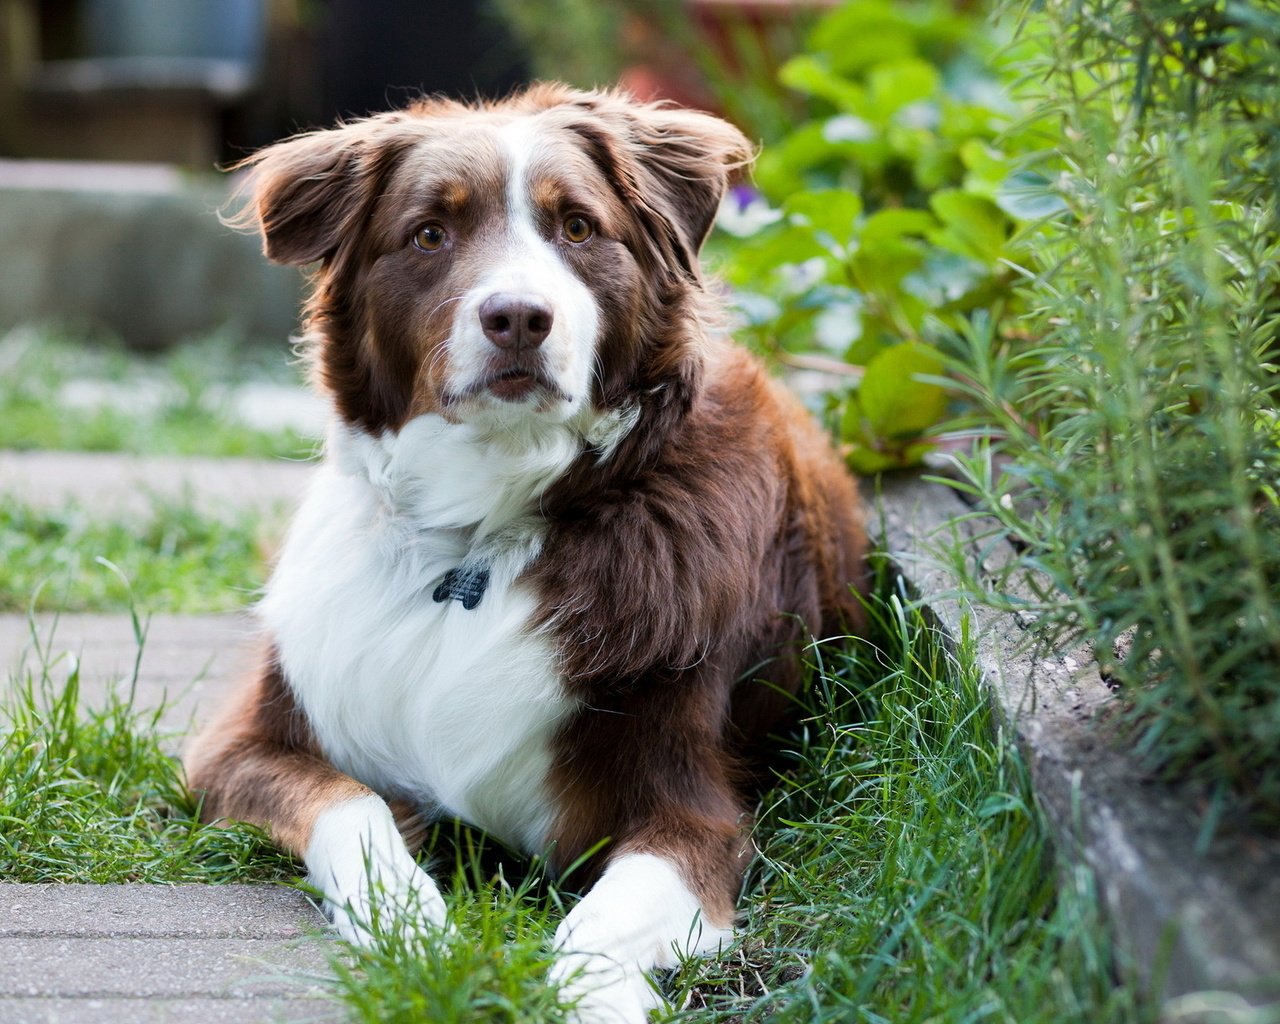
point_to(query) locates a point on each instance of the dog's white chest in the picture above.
(453, 707)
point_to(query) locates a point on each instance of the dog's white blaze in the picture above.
(355, 845)
(639, 916)
(531, 266)
(450, 707)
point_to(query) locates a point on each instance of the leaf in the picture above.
(867, 461)
(973, 226)
(833, 211)
(892, 224)
(757, 257)
(860, 35)
(1028, 196)
(813, 76)
(782, 167)
(897, 85)
(987, 169)
(894, 402)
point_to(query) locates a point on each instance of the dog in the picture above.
(556, 570)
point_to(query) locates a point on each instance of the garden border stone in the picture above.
(1198, 913)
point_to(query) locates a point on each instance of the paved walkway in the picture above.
(187, 660)
(144, 954)
(137, 954)
(116, 484)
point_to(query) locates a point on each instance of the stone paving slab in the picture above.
(187, 661)
(155, 911)
(203, 1010)
(162, 967)
(112, 484)
(136, 954)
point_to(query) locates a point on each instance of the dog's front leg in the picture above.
(640, 915)
(258, 763)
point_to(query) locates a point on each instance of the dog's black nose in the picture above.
(514, 321)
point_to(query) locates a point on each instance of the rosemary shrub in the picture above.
(1139, 436)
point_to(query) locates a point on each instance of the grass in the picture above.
(91, 795)
(65, 394)
(177, 559)
(904, 875)
(904, 870)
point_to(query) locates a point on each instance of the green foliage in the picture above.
(1141, 429)
(90, 795)
(64, 394)
(175, 559)
(904, 875)
(898, 205)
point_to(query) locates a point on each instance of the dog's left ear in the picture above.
(671, 165)
(691, 156)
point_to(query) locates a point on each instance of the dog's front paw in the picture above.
(387, 903)
(599, 990)
(372, 885)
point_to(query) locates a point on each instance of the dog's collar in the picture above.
(466, 583)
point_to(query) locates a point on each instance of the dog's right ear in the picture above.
(300, 195)
(307, 194)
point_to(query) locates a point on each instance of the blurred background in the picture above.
(115, 116)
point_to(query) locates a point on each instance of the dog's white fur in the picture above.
(639, 916)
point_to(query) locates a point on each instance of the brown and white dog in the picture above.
(563, 532)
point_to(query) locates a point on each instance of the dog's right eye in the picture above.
(429, 237)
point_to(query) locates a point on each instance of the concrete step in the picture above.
(143, 953)
(179, 272)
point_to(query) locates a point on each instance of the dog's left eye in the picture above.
(577, 229)
(429, 237)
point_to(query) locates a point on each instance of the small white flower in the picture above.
(847, 128)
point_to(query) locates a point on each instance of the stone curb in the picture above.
(1193, 919)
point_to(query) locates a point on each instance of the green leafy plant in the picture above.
(890, 216)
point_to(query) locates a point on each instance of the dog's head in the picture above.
(534, 257)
